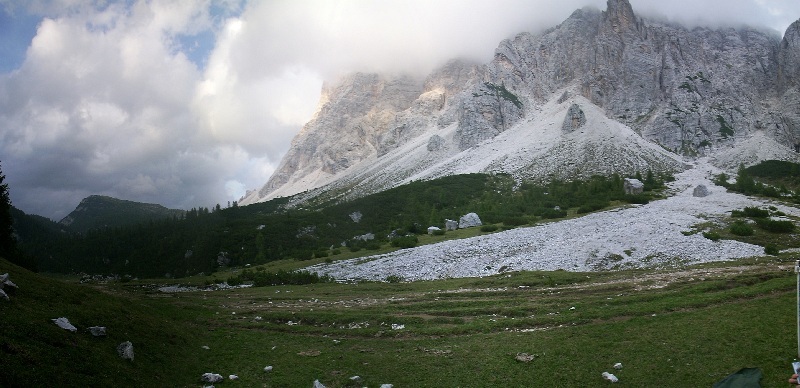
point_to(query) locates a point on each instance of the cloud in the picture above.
(188, 103)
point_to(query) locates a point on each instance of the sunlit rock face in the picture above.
(689, 92)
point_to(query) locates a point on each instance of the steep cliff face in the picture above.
(693, 92)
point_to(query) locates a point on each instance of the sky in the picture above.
(188, 103)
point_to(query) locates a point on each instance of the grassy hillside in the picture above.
(37, 353)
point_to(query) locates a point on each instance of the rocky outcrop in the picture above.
(701, 191)
(469, 220)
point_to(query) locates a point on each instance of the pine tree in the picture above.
(8, 243)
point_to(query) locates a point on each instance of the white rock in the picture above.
(64, 324)
(211, 377)
(125, 350)
(233, 377)
(98, 331)
(387, 385)
(268, 368)
(317, 384)
(618, 366)
(396, 326)
(610, 377)
(205, 347)
(3, 294)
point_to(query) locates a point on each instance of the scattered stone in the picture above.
(469, 220)
(701, 191)
(125, 350)
(396, 326)
(205, 347)
(618, 366)
(98, 331)
(3, 294)
(268, 368)
(450, 225)
(387, 386)
(233, 377)
(433, 229)
(356, 216)
(211, 378)
(633, 186)
(610, 377)
(317, 384)
(356, 379)
(575, 119)
(525, 357)
(64, 324)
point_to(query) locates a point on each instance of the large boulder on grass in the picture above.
(450, 225)
(469, 220)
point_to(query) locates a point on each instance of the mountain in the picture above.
(603, 92)
(97, 211)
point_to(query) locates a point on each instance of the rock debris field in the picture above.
(642, 236)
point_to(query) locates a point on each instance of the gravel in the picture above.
(641, 236)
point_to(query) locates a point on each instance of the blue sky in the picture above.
(189, 103)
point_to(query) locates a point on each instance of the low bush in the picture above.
(755, 212)
(489, 228)
(741, 229)
(775, 226)
(640, 199)
(438, 232)
(771, 249)
(713, 236)
(263, 279)
(409, 241)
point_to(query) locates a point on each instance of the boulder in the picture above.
(633, 186)
(356, 216)
(3, 295)
(125, 350)
(701, 191)
(98, 331)
(211, 378)
(433, 229)
(317, 384)
(7, 287)
(64, 324)
(575, 119)
(469, 220)
(450, 225)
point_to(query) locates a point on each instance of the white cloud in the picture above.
(107, 102)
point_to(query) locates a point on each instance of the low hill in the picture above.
(97, 211)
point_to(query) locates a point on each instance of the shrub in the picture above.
(755, 212)
(775, 226)
(552, 213)
(771, 249)
(393, 279)
(488, 228)
(741, 229)
(515, 221)
(438, 232)
(640, 199)
(713, 236)
(405, 241)
(592, 206)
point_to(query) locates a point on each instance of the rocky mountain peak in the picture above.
(620, 14)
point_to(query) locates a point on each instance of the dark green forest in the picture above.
(203, 239)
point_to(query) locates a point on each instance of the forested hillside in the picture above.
(204, 239)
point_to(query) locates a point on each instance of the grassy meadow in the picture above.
(687, 327)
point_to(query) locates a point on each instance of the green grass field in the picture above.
(687, 327)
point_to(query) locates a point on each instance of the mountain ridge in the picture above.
(692, 92)
(98, 211)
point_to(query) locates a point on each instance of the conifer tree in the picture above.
(8, 243)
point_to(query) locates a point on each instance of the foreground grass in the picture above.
(682, 328)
